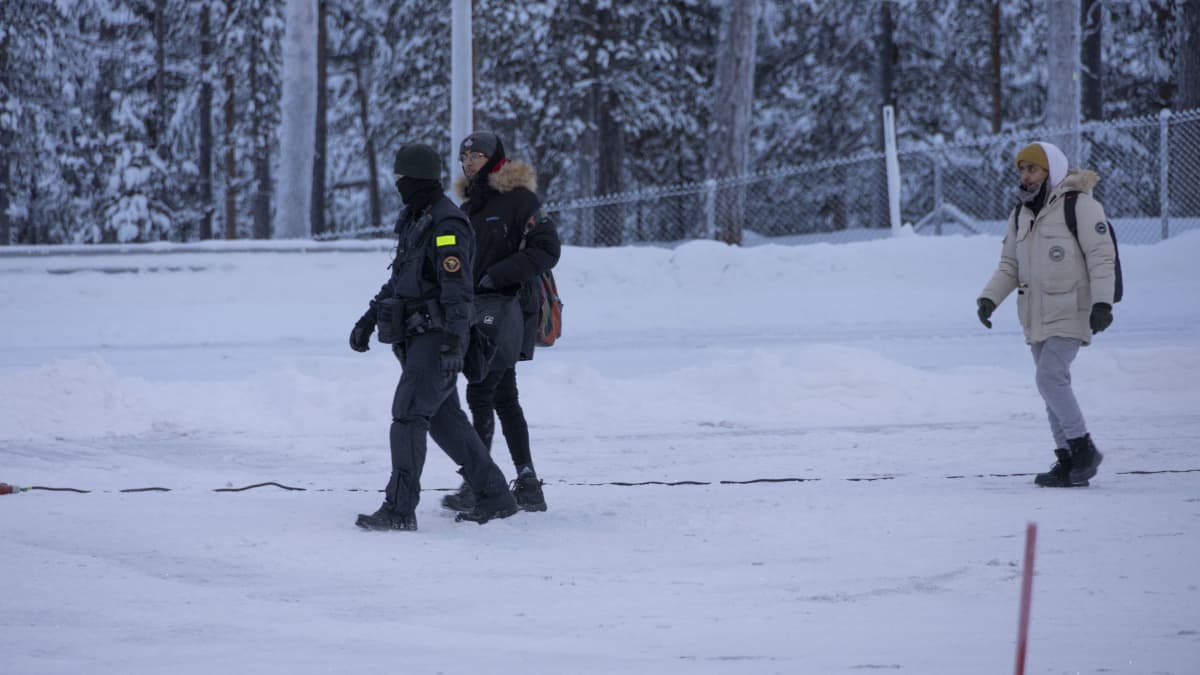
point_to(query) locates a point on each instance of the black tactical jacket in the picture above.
(433, 261)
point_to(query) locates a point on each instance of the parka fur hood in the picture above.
(514, 174)
(1078, 180)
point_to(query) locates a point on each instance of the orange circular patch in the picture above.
(451, 264)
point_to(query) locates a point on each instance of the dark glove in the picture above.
(986, 307)
(360, 336)
(486, 282)
(1101, 317)
(451, 356)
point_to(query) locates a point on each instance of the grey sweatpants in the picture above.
(1053, 358)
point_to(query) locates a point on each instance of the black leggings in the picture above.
(498, 392)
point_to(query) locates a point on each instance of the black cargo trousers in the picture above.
(426, 402)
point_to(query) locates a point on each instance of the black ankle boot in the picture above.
(462, 500)
(1085, 459)
(498, 505)
(1059, 475)
(527, 490)
(387, 519)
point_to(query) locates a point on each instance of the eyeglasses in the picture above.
(471, 156)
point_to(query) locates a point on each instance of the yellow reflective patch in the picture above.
(446, 240)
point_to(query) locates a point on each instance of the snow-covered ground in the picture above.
(703, 363)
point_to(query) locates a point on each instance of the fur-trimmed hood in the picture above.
(1079, 180)
(512, 175)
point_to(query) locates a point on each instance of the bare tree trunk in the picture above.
(262, 147)
(730, 132)
(997, 84)
(159, 133)
(1062, 86)
(1091, 59)
(322, 130)
(885, 78)
(206, 131)
(610, 218)
(6, 152)
(589, 139)
(1187, 66)
(1184, 170)
(364, 114)
(231, 184)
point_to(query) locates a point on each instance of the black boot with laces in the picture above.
(527, 490)
(1059, 475)
(462, 500)
(1085, 459)
(387, 519)
(500, 506)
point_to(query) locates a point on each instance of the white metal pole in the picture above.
(461, 81)
(1164, 171)
(893, 167)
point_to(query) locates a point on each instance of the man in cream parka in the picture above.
(1065, 283)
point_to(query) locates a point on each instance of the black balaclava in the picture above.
(418, 193)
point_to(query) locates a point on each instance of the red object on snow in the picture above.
(6, 489)
(1026, 597)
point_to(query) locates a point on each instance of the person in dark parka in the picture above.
(514, 243)
(425, 310)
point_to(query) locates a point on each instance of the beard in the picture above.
(1028, 196)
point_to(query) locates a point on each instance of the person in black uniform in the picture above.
(514, 243)
(425, 311)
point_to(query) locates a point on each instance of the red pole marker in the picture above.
(1026, 597)
(5, 489)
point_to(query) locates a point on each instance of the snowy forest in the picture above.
(152, 120)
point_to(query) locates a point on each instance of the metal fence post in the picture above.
(1164, 173)
(937, 191)
(710, 208)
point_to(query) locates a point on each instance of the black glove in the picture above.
(1101, 317)
(451, 356)
(360, 336)
(986, 307)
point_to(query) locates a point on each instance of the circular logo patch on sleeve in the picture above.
(451, 264)
(1101, 228)
(1057, 253)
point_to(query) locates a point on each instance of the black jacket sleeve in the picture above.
(540, 251)
(453, 245)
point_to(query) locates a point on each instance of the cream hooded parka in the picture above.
(1057, 277)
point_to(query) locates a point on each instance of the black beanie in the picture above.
(418, 161)
(483, 141)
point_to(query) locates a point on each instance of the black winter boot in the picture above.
(1085, 458)
(387, 519)
(500, 505)
(1059, 475)
(462, 500)
(527, 490)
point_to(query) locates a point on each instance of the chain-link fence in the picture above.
(1149, 169)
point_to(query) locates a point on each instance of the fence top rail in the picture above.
(914, 146)
(694, 187)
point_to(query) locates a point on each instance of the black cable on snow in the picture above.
(679, 483)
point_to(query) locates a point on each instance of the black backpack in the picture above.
(1073, 225)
